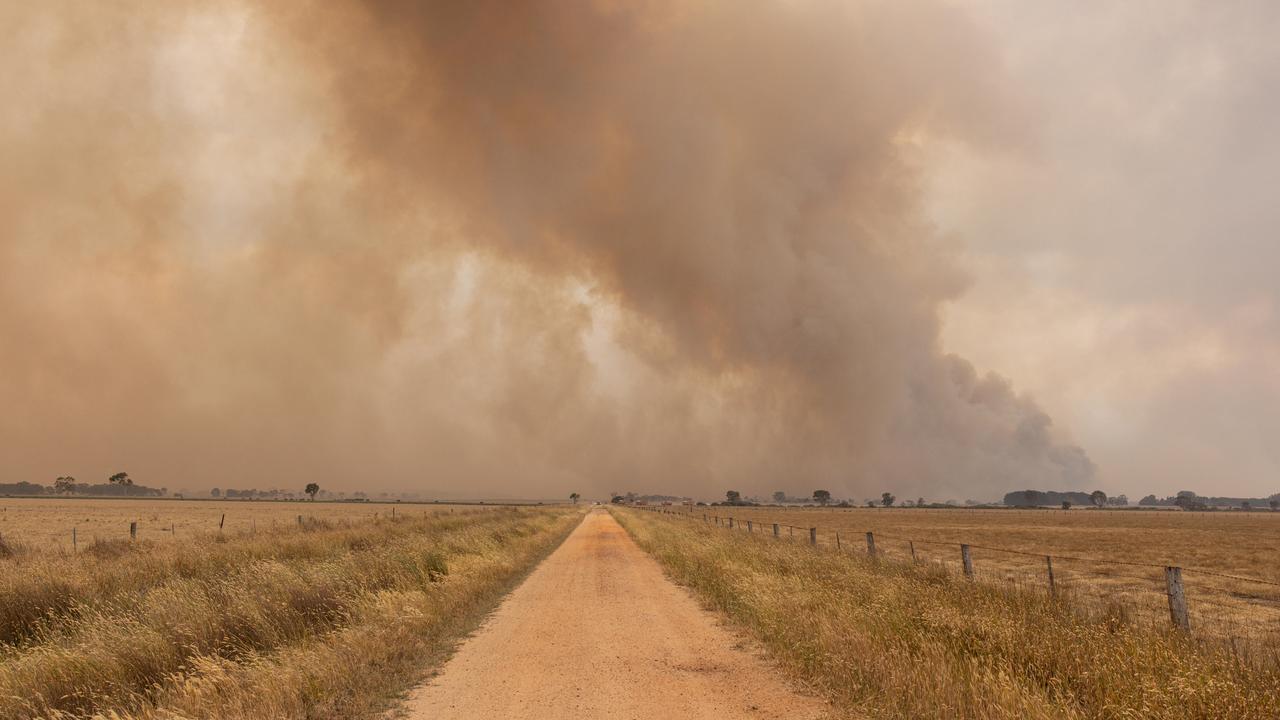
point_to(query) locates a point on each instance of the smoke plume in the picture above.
(494, 248)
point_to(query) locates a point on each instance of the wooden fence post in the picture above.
(300, 520)
(837, 539)
(912, 544)
(1053, 587)
(968, 561)
(730, 523)
(749, 526)
(133, 531)
(1177, 598)
(871, 544)
(222, 521)
(73, 538)
(775, 530)
(813, 536)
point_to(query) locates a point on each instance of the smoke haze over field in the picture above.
(501, 249)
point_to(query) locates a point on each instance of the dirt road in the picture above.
(597, 631)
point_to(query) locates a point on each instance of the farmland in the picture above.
(330, 618)
(41, 524)
(908, 640)
(1108, 556)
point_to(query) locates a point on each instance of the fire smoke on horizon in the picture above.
(497, 248)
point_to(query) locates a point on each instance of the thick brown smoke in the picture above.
(495, 248)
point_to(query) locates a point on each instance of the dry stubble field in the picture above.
(332, 618)
(1232, 543)
(902, 640)
(46, 523)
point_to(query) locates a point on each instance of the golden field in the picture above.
(901, 640)
(45, 523)
(330, 619)
(1088, 547)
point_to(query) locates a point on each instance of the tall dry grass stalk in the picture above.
(895, 640)
(326, 621)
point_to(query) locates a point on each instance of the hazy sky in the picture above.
(1125, 264)
(497, 249)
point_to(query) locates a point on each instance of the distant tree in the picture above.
(312, 489)
(871, 503)
(574, 497)
(733, 497)
(616, 499)
(1189, 494)
(1245, 505)
(822, 496)
(919, 502)
(64, 485)
(1189, 503)
(1274, 503)
(779, 497)
(216, 492)
(1098, 497)
(123, 480)
(886, 499)
(1066, 504)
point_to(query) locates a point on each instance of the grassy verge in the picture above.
(890, 640)
(326, 621)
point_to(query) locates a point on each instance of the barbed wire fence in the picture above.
(1173, 588)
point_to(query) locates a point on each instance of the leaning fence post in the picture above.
(775, 530)
(911, 544)
(871, 544)
(133, 531)
(813, 536)
(222, 521)
(1053, 588)
(1177, 597)
(968, 561)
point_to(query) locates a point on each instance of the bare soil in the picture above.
(597, 631)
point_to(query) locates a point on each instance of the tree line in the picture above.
(118, 484)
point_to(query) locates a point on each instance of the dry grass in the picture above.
(42, 524)
(325, 621)
(1235, 543)
(891, 639)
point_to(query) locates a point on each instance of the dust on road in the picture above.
(597, 631)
